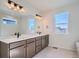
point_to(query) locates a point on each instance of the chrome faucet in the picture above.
(39, 33)
(17, 34)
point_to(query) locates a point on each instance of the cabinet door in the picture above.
(38, 42)
(47, 40)
(38, 48)
(18, 52)
(30, 49)
(43, 42)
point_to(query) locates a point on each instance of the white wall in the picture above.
(40, 22)
(30, 11)
(66, 41)
(24, 24)
(8, 29)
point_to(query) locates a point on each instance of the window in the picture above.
(32, 25)
(11, 22)
(8, 21)
(62, 22)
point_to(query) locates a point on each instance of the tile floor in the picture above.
(50, 52)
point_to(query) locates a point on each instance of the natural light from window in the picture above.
(32, 25)
(62, 22)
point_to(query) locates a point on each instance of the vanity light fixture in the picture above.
(15, 6)
(38, 17)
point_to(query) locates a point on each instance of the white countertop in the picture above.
(10, 39)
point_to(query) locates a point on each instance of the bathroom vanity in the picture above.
(77, 48)
(24, 47)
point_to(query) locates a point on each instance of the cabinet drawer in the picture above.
(47, 36)
(38, 48)
(16, 44)
(39, 42)
(38, 38)
(43, 37)
(30, 40)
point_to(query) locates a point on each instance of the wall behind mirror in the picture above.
(7, 26)
(28, 24)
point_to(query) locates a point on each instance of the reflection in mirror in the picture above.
(8, 26)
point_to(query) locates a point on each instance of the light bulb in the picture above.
(12, 5)
(39, 18)
(18, 7)
(22, 10)
(15, 9)
(9, 6)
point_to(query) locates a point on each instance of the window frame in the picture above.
(67, 29)
(9, 22)
(8, 19)
(30, 20)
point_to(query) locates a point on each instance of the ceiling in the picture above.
(46, 5)
(29, 9)
(42, 6)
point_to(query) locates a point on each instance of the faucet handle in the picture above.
(15, 33)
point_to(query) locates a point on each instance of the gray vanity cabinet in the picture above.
(38, 44)
(13, 50)
(18, 52)
(43, 42)
(17, 49)
(38, 41)
(25, 48)
(47, 40)
(30, 48)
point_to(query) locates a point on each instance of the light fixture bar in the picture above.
(9, 1)
(38, 15)
(15, 6)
